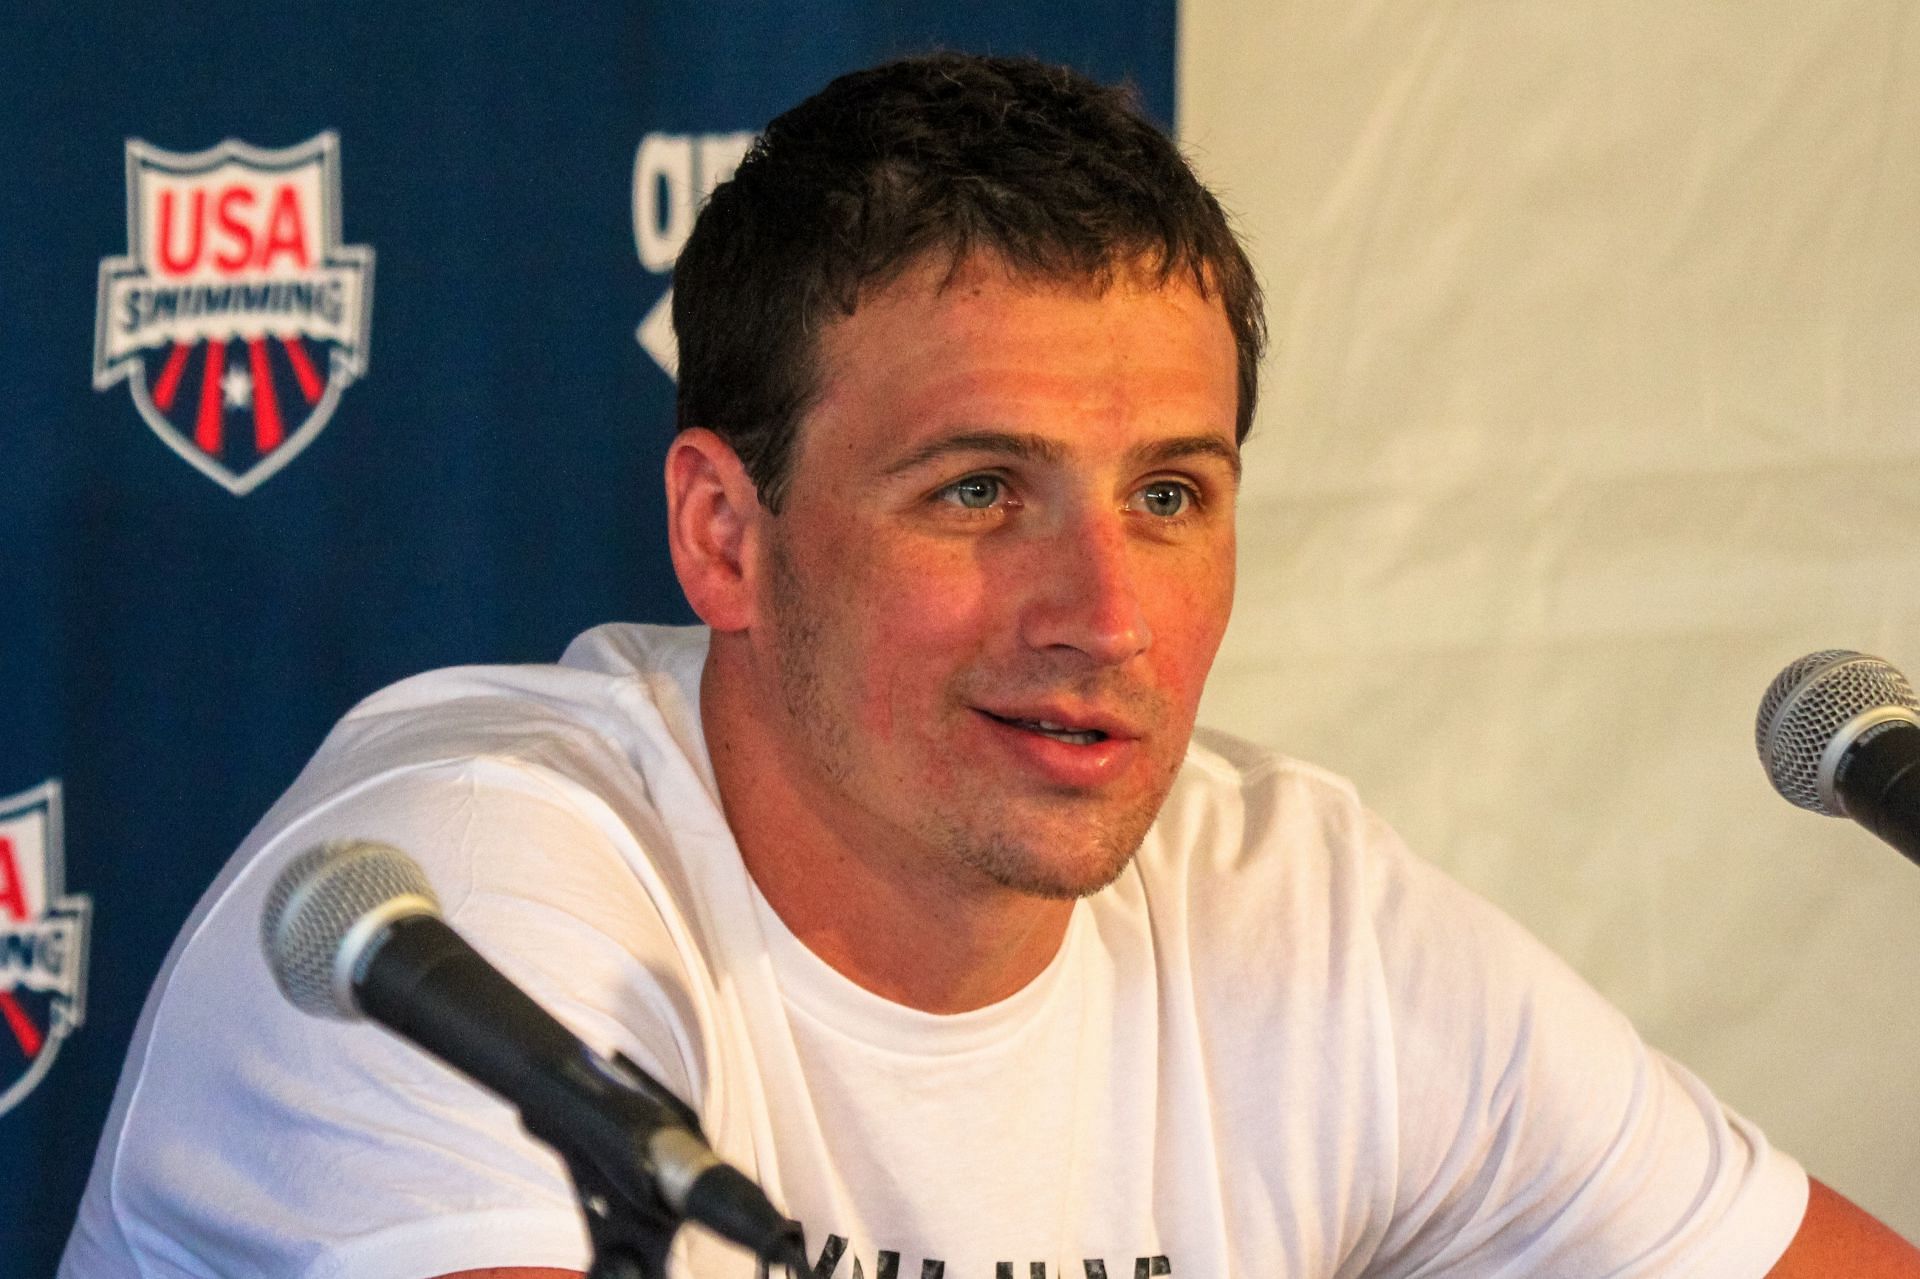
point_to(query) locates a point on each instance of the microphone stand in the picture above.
(631, 1235)
(630, 1240)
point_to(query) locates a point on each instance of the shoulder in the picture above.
(1247, 828)
(1261, 885)
(620, 683)
(602, 729)
(531, 796)
(1292, 844)
(523, 791)
(1228, 787)
(1513, 1110)
(1271, 833)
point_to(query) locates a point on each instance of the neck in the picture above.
(869, 898)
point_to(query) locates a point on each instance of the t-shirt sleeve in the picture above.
(266, 1142)
(1537, 1133)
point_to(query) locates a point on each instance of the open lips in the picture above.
(1048, 728)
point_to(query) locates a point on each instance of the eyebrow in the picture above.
(1038, 448)
(1159, 452)
(1028, 448)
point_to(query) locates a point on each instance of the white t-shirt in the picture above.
(1279, 1045)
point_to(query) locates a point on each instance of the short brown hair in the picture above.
(1059, 176)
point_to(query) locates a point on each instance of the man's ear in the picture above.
(713, 527)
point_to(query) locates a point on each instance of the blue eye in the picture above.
(976, 492)
(1165, 499)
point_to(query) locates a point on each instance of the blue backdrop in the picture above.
(329, 360)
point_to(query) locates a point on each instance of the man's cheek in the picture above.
(934, 626)
(1188, 632)
(898, 696)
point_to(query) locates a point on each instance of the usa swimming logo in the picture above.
(237, 317)
(43, 942)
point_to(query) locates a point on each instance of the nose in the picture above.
(1082, 592)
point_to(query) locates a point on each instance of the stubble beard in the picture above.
(830, 743)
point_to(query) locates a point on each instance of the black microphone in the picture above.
(1839, 733)
(353, 929)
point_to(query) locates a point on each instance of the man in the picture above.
(911, 873)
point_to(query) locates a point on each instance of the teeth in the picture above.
(1061, 733)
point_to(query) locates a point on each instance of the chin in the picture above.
(1020, 866)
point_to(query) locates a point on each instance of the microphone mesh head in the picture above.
(316, 902)
(1810, 702)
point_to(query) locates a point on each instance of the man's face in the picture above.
(1002, 570)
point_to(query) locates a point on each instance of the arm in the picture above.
(1837, 1238)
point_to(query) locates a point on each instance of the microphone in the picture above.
(1839, 733)
(353, 929)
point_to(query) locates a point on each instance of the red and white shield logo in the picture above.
(236, 317)
(43, 942)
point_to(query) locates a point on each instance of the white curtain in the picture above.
(1595, 400)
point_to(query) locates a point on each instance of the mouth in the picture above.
(1047, 728)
